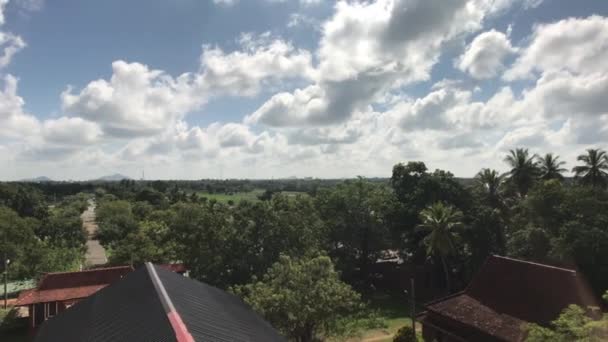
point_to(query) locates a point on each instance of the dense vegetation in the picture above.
(330, 233)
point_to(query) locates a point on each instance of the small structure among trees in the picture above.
(56, 292)
(503, 298)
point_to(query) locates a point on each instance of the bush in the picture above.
(405, 334)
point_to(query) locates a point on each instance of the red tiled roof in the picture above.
(83, 278)
(177, 268)
(56, 295)
(71, 285)
(507, 293)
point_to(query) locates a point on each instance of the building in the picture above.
(58, 291)
(504, 296)
(155, 304)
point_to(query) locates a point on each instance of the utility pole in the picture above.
(413, 288)
(6, 262)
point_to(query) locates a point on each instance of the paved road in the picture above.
(96, 254)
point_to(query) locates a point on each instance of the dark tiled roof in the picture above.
(529, 291)
(468, 310)
(71, 285)
(154, 304)
(507, 293)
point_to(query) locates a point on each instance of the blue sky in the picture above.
(296, 87)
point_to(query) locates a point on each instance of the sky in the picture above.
(191, 89)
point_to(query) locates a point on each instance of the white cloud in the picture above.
(70, 131)
(137, 101)
(369, 48)
(311, 2)
(262, 61)
(225, 2)
(578, 45)
(484, 57)
(10, 44)
(14, 121)
(2, 6)
(30, 5)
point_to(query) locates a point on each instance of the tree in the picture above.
(115, 220)
(440, 221)
(302, 298)
(489, 183)
(415, 189)
(573, 324)
(551, 167)
(357, 214)
(152, 242)
(524, 169)
(225, 246)
(594, 171)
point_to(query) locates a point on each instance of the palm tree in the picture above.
(440, 220)
(551, 167)
(524, 169)
(489, 181)
(594, 171)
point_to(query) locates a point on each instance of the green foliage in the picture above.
(302, 298)
(572, 325)
(594, 171)
(23, 199)
(115, 220)
(524, 169)
(224, 246)
(30, 256)
(440, 222)
(152, 242)
(358, 218)
(405, 334)
(550, 167)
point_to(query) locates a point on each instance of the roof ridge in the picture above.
(535, 263)
(181, 330)
(89, 270)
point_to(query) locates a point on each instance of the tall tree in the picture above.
(551, 167)
(357, 215)
(440, 221)
(594, 170)
(524, 169)
(489, 182)
(302, 298)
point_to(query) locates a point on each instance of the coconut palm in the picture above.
(490, 181)
(439, 221)
(594, 169)
(524, 169)
(551, 167)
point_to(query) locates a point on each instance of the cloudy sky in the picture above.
(277, 88)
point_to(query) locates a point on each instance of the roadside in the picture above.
(96, 254)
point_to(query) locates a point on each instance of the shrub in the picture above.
(405, 334)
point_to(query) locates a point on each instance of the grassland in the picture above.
(393, 311)
(239, 196)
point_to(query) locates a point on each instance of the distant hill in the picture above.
(112, 178)
(40, 179)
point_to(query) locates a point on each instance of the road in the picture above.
(96, 254)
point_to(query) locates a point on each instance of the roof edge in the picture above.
(181, 330)
(534, 263)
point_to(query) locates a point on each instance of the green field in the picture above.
(239, 196)
(236, 197)
(393, 311)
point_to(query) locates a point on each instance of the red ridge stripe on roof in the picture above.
(181, 331)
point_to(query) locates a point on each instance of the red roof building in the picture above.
(502, 298)
(58, 291)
